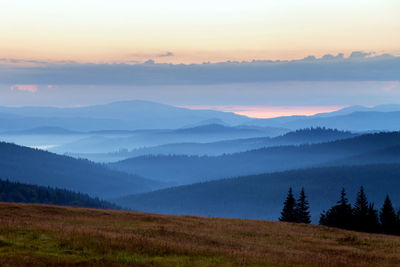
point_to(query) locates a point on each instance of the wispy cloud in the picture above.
(18, 61)
(142, 57)
(31, 88)
(391, 85)
(166, 54)
(33, 62)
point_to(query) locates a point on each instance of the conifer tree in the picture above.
(288, 213)
(398, 222)
(388, 217)
(302, 209)
(373, 225)
(343, 200)
(340, 216)
(360, 212)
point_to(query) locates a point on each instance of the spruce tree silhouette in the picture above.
(302, 208)
(398, 222)
(360, 212)
(340, 215)
(288, 213)
(373, 224)
(388, 217)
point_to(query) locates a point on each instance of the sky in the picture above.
(195, 31)
(258, 58)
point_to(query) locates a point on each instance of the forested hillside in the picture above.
(261, 196)
(303, 136)
(33, 166)
(389, 154)
(26, 193)
(100, 143)
(183, 169)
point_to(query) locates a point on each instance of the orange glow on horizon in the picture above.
(264, 112)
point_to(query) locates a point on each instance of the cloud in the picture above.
(390, 85)
(359, 66)
(33, 62)
(139, 57)
(339, 56)
(360, 54)
(31, 88)
(149, 62)
(18, 61)
(166, 54)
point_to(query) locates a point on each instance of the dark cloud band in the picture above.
(358, 66)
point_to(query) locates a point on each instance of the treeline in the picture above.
(318, 132)
(182, 169)
(80, 175)
(362, 216)
(19, 192)
(296, 211)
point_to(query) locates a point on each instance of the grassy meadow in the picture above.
(37, 235)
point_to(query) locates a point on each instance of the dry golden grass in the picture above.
(37, 235)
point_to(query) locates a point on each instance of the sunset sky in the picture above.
(71, 53)
(195, 31)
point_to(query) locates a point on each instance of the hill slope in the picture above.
(200, 134)
(39, 167)
(43, 131)
(126, 115)
(389, 154)
(355, 121)
(61, 236)
(303, 136)
(183, 169)
(26, 193)
(262, 196)
(137, 114)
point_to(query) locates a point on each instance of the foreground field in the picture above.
(37, 235)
